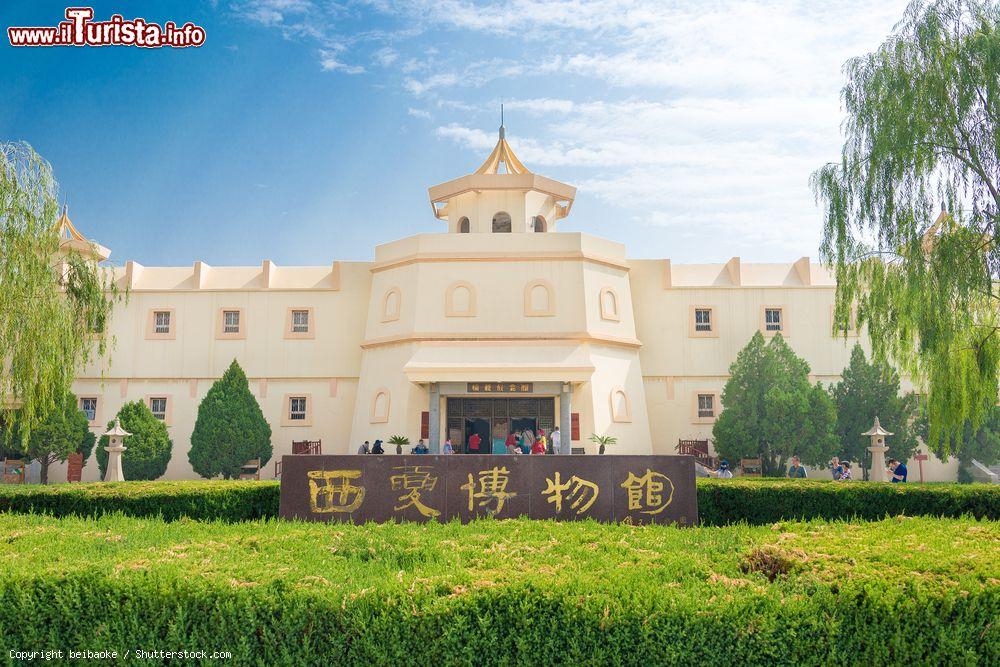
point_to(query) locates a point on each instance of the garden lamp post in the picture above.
(114, 448)
(878, 449)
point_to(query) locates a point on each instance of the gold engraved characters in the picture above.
(649, 494)
(414, 480)
(331, 491)
(581, 493)
(490, 490)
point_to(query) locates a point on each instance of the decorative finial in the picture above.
(502, 128)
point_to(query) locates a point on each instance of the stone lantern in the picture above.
(114, 448)
(878, 449)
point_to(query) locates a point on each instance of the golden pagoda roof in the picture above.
(67, 231)
(70, 238)
(489, 176)
(502, 154)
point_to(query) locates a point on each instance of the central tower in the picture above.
(501, 196)
(501, 323)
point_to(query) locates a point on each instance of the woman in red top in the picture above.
(538, 447)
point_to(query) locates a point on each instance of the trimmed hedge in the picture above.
(720, 502)
(898, 591)
(200, 500)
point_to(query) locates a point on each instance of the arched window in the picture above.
(501, 223)
(380, 407)
(609, 305)
(539, 299)
(539, 224)
(391, 304)
(460, 300)
(463, 226)
(621, 410)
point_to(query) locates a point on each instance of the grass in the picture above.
(509, 592)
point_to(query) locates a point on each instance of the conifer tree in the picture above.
(869, 390)
(771, 412)
(230, 429)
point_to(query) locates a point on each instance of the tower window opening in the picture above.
(538, 224)
(463, 226)
(501, 223)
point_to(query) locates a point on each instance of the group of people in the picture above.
(520, 442)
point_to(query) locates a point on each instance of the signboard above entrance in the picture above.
(355, 489)
(500, 387)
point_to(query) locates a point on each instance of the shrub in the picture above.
(720, 502)
(148, 448)
(62, 431)
(205, 500)
(763, 501)
(230, 429)
(915, 591)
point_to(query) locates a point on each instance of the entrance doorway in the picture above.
(493, 419)
(480, 427)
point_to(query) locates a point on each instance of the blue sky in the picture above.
(306, 131)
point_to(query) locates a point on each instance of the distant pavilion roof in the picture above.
(72, 239)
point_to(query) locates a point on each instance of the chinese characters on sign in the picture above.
(636, 489)
(500, 387)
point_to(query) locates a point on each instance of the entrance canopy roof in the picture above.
(499, 363)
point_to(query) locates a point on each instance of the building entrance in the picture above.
(493, 419)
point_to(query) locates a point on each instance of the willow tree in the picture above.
(54, 298)
(921, 136)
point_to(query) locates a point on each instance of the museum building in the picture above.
(495, 321)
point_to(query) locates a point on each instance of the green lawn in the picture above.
(891, 591)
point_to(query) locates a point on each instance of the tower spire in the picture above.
(503, 130)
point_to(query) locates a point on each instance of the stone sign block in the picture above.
(356, 489)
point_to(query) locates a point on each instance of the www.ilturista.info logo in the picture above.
(80, 30)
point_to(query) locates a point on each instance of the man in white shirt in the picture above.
(556, 439)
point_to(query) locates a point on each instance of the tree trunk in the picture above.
(45, 470)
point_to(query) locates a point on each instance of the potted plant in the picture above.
(399, 441)
(603, 441)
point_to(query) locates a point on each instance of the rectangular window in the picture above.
(702, 319)
(231, 321)
(297, 408)
(158, 406)
(772, 319)
(706, 406)
(300, 321)
(161, 322)
(89, 408)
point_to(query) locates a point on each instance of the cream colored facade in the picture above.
(624, 345)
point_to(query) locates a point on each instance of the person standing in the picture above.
(836, 468)
(897, 471)
(377, 448)
(845, 475)
(448, 450)
(364, 449)
(723, 472)
(539, 446)
(556, 441)
(527, 440)
(796, 471)
(474, 442)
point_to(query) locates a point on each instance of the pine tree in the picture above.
(230, 429)
(869, 390)
(771, 412)
(148, 449)
(62, 431)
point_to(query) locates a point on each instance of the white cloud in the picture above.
(329, 62)
(706, 118)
